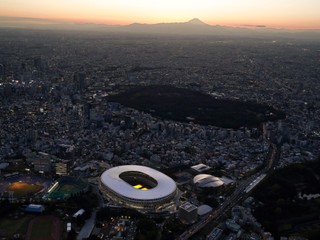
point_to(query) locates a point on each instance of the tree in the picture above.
(278, 212)
(146, 229)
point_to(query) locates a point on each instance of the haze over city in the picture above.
(291, 14)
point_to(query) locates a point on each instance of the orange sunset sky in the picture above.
(301, 14)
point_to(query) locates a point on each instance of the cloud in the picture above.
(253, 26)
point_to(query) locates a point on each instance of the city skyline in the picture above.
(295, 14)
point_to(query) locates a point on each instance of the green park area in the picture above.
(181, 104)
(290, 201)
(30, 227)
(14, 225)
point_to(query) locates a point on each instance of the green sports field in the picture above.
(31, 227)
(66, 188)
(11, 226)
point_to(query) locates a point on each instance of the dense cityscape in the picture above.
(60, 133)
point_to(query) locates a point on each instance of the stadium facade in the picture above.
(142, 188)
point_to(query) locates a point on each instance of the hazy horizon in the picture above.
(47, 23)
(287, 14)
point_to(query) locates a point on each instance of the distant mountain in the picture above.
(196, 21)
(194, 27)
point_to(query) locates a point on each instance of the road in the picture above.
(87, 227)
(242, 191)
(89, 224)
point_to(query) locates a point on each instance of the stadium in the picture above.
(16, 187)
(142, 188)
(207, 181)
(66, 187)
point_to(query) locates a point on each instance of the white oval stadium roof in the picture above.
(206, 180)
(111, 179)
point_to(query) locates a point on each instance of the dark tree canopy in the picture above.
(185, 105)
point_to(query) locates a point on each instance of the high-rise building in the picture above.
(63, 168)
(80, 81)
(2, 71)
(42, 164)
(188, 213)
